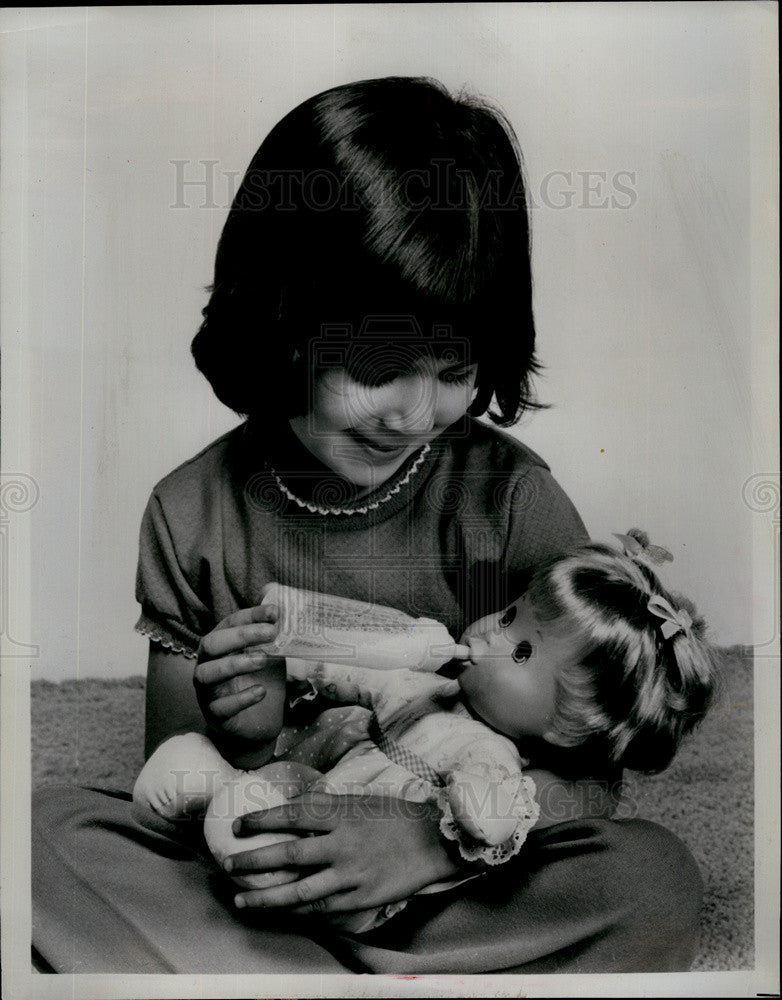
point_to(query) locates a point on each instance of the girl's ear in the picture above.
(556, 739)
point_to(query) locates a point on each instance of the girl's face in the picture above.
(510, 677)
(365, 433)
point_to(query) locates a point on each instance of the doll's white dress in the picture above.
(415, 740)
(427, 746)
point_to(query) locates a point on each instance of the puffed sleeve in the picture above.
(172, 614)
(543, 524)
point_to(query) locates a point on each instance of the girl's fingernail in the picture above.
(236, 827)
(259, 658)
(228, 865)
(239, 902)
(258, 691)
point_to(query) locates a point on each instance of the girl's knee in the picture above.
(669, 871)
(661, 891)
(57, 807)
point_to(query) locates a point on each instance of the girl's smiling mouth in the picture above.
(389, 446)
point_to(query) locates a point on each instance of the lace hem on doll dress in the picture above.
(525, 809)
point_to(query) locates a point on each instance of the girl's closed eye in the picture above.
(372, 366)
(374, 377)
(378, 374)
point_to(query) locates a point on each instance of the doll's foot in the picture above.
(179, 780)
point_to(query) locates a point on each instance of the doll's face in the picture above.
(510, 678)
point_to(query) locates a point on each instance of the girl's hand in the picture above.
(369, 849)
(240, 689)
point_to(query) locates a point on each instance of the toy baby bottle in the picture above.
(317, 626)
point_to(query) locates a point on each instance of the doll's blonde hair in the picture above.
(632, 688)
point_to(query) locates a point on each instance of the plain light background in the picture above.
(655, 315)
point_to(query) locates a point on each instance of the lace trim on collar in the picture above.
(315, 508)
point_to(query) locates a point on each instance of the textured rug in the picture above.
(91, 732)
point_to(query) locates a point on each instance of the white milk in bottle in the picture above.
(317, 626)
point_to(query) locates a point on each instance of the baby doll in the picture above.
(595, 653)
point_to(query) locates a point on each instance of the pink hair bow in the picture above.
(673, 621)
(636, 544)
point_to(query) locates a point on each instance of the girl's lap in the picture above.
(109, 896)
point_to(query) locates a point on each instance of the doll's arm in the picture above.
(495, 814)
(397, 697)
(487, 795)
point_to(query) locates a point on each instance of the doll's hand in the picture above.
(241, 693)
(369, 850)
(482, 807)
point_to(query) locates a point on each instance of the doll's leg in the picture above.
(178, 781)
(251, 791)
(273, 785)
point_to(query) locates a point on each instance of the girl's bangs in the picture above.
(395, 318)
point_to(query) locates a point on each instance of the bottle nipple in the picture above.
(461, 652)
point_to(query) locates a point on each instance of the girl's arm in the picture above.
(245, 737)
(171, 703)
(372, 850)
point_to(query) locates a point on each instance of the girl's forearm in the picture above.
(171, 704)
(561, 801)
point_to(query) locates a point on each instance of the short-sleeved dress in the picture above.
(453, 536)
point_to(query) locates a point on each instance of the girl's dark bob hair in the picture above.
(378, 221)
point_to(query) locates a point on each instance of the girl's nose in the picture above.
(409, 405)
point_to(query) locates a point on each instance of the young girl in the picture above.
(596, 656)
(372, 295)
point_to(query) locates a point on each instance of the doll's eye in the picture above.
(522, 652)
(508, 616)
